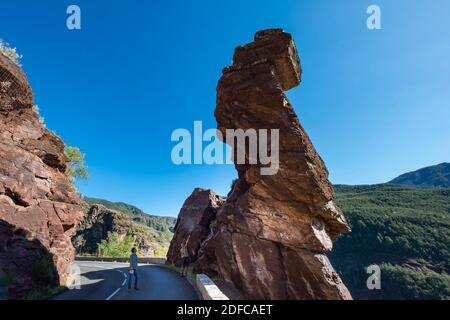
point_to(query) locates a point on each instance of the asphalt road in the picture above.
(109, 281)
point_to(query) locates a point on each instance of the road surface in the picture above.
(109, 281)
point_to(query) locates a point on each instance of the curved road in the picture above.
(109, 281)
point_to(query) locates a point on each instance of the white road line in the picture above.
(123, 283)
(121, 286)
(113, 294)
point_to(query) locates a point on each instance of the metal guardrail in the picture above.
(124, 259)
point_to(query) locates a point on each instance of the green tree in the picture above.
(76, 167)
(116, 245)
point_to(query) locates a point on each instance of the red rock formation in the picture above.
(38, 205)
(273, 230)
(194, 224)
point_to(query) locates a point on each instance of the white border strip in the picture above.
(208, 288)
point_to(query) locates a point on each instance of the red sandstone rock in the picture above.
(273, 230)
(39, 208)
(194, 224)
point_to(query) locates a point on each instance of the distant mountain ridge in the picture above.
(108, 224)
(159, 223)
(402, 226)
(437, 176)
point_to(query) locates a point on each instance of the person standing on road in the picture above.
(185, 257)
(133, 270)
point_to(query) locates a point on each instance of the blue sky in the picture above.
(375, 103)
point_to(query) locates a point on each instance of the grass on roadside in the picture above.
(191, 276)
(45, 293)
(3, 285)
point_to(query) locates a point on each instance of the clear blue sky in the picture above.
(375, 103)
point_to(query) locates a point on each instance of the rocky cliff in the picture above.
(39, 207)
(270, 236)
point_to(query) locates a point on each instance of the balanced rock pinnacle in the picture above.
(39, 208)
(270, 235)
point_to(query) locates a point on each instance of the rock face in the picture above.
(39, 207)
(194, 224)
(99, 220)
(272, 232)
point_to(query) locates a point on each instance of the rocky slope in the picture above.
(270, 235)
(101, 219)
(437, 176)
(39, 207)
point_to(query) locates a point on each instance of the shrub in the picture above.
(9, 52)
(43, 271)
(76, 167)
(45, 292)
(4, 281)
(161, 252)
(37, 110)
(115, 245)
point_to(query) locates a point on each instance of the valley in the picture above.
(110, 229)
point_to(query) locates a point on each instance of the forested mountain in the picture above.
(437, 176)
(404, 230)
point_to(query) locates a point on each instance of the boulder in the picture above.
(194, 224)
(39, 207)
